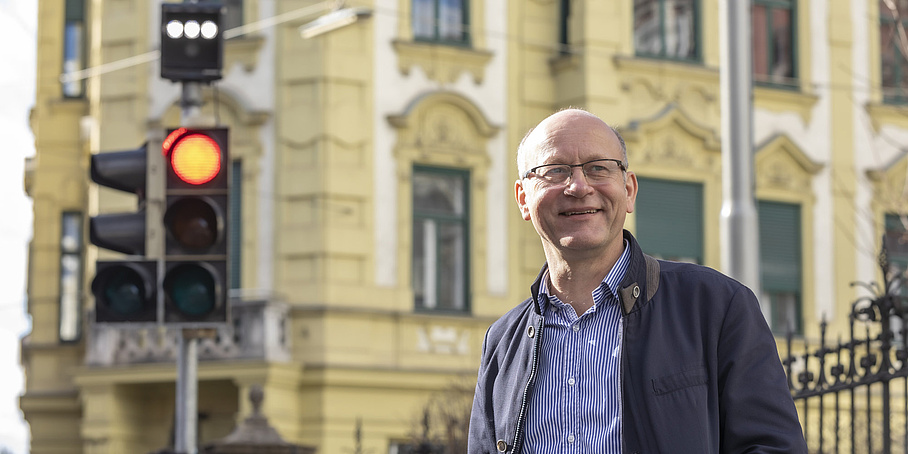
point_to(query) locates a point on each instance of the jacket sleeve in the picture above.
(757, 413)
(480, 436)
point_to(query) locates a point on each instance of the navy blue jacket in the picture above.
(700, 368)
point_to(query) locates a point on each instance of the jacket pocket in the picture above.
(686, 378)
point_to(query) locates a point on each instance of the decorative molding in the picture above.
(882, 114)
(442, 340)
(259, 331)
(441, 63)
(780, 164)
(782, 100)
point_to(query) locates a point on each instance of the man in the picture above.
(616, 352)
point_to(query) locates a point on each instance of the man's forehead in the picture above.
(580, 138)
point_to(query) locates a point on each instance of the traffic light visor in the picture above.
(196, 158)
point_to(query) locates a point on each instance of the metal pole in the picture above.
(187, 394)
(188, 360)
(740, 235)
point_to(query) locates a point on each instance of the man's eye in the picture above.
(597, 168)
(554, 171)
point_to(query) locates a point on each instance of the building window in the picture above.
(442, 21)
(440, 243)
(666, 29)
(564, 13)
(894, 71)
(780, 264)
(236, 224)
(670, 219)
(897, 244)
(70, 321)
(774, 42)
(74, 46)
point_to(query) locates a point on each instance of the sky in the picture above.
(18, 20)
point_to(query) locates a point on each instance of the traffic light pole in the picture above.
(188, 361)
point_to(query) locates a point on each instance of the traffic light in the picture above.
(192, 42)
(124, 290)
(197, 191)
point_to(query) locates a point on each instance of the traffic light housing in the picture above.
(192, 42)
(125, 289)
(197, 191)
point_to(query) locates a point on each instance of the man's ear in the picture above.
(521, 196)
(630, 185)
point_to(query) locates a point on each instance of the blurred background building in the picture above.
(374, 234)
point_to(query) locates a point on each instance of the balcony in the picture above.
(258, 332)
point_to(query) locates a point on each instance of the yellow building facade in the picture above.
(373, 169)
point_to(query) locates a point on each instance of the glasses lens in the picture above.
(600, 170)
(554, 173)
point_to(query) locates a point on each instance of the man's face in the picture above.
(576, 217)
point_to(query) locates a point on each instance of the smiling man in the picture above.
(614, 351)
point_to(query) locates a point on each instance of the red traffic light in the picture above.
(194, 157)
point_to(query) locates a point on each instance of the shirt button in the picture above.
(501, 445)
(571, 438)
(576, 328)
(571, 381)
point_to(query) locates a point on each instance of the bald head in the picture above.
(537, 139)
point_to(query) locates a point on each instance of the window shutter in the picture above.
(780, 246)
(670, 219)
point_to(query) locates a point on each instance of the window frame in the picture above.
(900, 61)
(71, 253)
(892, 226)
(776, 292)
(74, 16)
(463, 223)
(792, 82)
(466, 35)
(697, 56)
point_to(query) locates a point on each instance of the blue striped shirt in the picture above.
(575, 406)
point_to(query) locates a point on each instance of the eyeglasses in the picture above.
(596, 171)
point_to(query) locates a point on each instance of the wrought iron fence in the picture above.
(851, 394)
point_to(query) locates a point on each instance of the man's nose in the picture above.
(577, 184)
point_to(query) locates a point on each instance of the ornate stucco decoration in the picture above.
(890, 184)
(445, 127)
(672, 139)
(781, 165)
(443, 64)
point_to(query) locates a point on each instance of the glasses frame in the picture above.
(533, 170)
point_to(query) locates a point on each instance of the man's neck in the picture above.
(574, 280)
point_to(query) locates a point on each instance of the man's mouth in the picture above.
(574, 213)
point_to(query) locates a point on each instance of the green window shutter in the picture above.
(780, 246)
(896, 241)
(236, 224)
(670, 219)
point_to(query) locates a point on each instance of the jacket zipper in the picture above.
(518, 445)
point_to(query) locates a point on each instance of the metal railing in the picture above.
(852, 395)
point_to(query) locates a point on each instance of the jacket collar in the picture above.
(639, 285)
